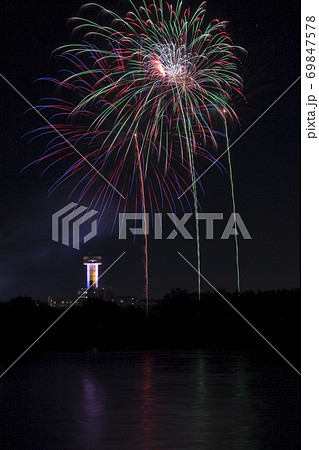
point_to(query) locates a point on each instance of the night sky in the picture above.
(266, 167)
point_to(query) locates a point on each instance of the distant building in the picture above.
(92, 264)
(105, 293)
(58, 303)
(92, 289)
(126, 300)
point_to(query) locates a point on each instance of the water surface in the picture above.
(157, 399)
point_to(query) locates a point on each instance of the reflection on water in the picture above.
(93, 411)
(177, 399)
(148, 401)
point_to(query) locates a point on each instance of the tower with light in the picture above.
(92, 264)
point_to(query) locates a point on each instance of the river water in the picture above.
(156, 399)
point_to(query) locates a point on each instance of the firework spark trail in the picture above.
(191, 159)
(162, 71)
(141, 176)
(233, 203)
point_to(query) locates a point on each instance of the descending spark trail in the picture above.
(163, 71)
(144, 218)
(233, 202)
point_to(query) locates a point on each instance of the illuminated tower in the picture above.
(92, 264)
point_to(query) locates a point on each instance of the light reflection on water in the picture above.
(93, 411)
(177, 399)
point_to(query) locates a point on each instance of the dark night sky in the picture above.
(266, 166)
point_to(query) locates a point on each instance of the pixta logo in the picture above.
(73, 227)
(234, 225)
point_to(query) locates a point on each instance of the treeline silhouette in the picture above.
(178, 319)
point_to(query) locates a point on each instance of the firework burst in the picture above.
(141, 97)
